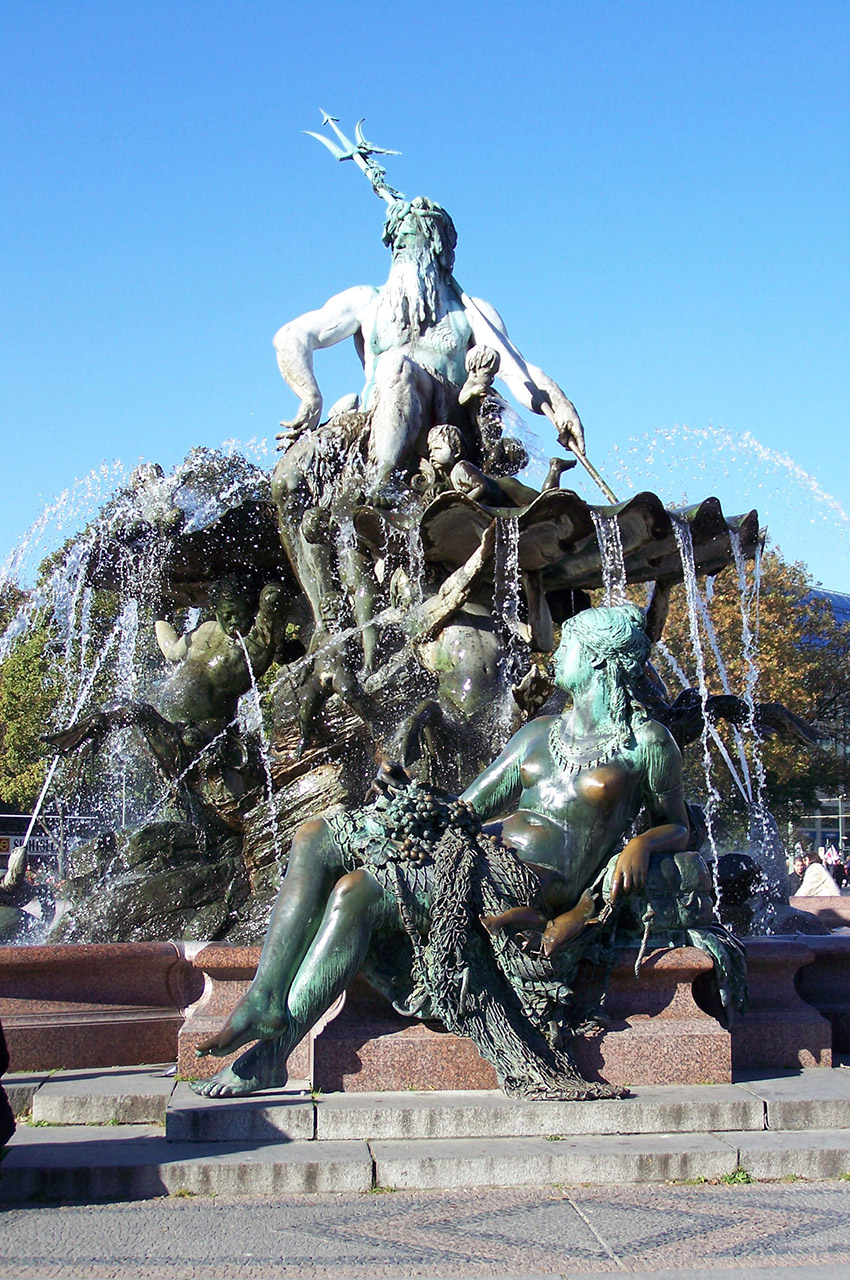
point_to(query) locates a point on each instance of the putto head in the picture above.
(234, 602)
(445, 446)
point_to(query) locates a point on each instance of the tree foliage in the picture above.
(28, 696)
(34, 680)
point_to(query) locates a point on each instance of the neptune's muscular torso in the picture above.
(440, 347)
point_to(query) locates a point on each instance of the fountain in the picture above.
(238, 651)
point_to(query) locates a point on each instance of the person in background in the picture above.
(7, 1119)
(832, 862)
(844, 851)
(817, 882)
(795, 875)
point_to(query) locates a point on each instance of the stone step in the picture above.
(815, 1153)
(135, 1162)
(99, 1135)
(815, 1098)
(270, 1117)
(516, 1162)
(812, 1099)
(105, 1095)
(131, 1162)
(20, 1088)
(462, 1115)
(471, 1162)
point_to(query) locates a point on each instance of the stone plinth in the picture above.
(779, 1030)
(657, 1033)
(123, 1004)
(832, 912)
(825, 984)
(97, 1005)
(369, 1047)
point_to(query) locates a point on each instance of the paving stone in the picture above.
(490, 1114)
(818, 1153)
(815, 1098)
(104, 1095)
(514, 1162)
(132, 1162)
(260, 1118)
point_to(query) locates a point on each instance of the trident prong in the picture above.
(361, 152)
(370, 147)
(336, 152)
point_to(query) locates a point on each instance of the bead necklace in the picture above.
(594, 751)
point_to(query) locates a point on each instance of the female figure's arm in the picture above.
(500, 785)
(665, 804)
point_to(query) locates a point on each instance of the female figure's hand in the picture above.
(631, 868)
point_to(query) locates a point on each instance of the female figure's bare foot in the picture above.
(247, 1022)
(262, 1067)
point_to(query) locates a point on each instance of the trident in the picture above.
(361, 152)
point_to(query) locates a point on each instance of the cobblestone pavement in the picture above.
(527, 1232)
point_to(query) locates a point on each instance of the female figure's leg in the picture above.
(356, 905)
(314, 867)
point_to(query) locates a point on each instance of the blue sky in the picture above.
(654, 195)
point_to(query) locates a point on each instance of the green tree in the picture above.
(29, 692)
(33, 682)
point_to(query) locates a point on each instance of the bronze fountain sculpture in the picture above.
(414, 589)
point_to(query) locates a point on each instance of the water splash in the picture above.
(258, 727)
(685, 683)
(508, 584)
(684, 542)
(763, 834)
(415, 562)
(610, 541)
(745, 787)
(507, 595)
(682, 464)
(61, 517)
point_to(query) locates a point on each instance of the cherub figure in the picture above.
(214, 665)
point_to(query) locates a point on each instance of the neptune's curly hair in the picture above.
(615, 638)
(435, 221)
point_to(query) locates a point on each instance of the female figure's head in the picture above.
(610, 643)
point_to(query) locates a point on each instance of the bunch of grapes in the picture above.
(418, 819)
